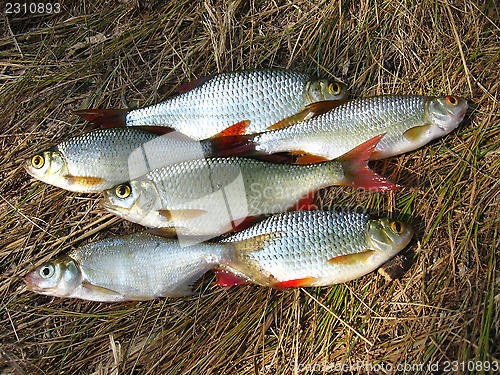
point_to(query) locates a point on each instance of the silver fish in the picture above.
(407, 122)
(312, 248)
(101, 159)
(263, 97)
(207, 197)
(135, 267)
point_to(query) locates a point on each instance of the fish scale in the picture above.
(263, 97)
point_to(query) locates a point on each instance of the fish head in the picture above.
(445, 113)
(132, 200)
(59, 278)
(388, 236)
(325, 89)
(48, 166)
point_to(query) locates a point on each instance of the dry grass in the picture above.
(445, 308)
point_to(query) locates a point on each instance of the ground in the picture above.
(117, 54)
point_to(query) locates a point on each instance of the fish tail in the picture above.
(358, 174)
(107, 118)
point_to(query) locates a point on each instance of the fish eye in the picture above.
(334, 88)
(37, 161)
(397, 227)
(47, 271)
(452, 100)
(123, 191)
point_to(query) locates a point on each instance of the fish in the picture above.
(311, 248)
(101, 159)
(213, 195)
(294, 249)
(135, 267)
(408, 122)
(210, 105)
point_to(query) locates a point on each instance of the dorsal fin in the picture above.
(255, 243)
(107, 118)
(188, 86)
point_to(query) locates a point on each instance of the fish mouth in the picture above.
(31, 283)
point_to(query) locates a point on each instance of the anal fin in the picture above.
(296, 283)
(226, 278)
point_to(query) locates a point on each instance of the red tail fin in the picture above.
(357, 172)
(107, 118)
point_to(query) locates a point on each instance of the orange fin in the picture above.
(310, 111)
(181, 214)
(236, 129)
(188, 86)
(357, 172)
(85, 181)
(310, 159)
(351, 258)
(297, 283)
(107, 118)
(226, 278)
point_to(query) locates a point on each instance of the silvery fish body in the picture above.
(407, 122)
(211, 196)
(101, 159)
(295, 249)
(263, 97)
(314, 248)
(134, 267)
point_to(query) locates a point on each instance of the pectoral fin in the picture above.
(163, 232)
(101, 291)
(352, 258)
(310, 111)
(415, 134)
(83, 180)
(181, 214)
